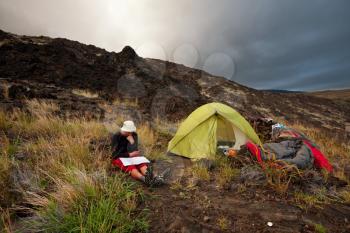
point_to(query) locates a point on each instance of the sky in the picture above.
(265, 44)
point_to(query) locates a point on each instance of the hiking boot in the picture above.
(165, 174)
(149, 176)
(157, 181)
(161, 178)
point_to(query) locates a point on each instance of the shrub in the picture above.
(226, 174)
(87, 204)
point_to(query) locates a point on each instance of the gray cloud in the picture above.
(295, 44)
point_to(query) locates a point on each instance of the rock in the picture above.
(252, 174)
(312, 176)
(207, 163)
(20, 156)
(206, 218)
(335, 181)
(196, 212)
(175, 225)
(20, 92)
(128, 53)
(347, 171)
(234, 187)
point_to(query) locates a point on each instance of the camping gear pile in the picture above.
(293, 148)
(199, 137)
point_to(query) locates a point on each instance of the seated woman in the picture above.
(125, 145)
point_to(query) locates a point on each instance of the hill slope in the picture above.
(333, 94)
(43, 67)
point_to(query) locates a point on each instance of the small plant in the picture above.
(226, 174)
(345, 195)
(201, 172)
(279, 176)
(223, 223)
(241, 188)
(319, 228)
(176, 185)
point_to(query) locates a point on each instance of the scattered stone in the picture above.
(252, 174)
(20, 156)
(234, 187)
(206, 219)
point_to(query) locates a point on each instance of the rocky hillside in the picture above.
(42, 67)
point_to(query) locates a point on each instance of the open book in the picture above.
(134, 160)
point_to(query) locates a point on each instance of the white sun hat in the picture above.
(128, 126)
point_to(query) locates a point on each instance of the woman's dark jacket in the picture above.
(121, 147)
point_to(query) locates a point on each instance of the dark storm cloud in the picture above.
(275, 44)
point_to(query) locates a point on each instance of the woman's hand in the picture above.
(130, 138)
(134, 153)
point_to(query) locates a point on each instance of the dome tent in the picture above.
(197, 136)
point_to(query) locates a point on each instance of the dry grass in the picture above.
(176, 185)
(165, 127)
(279, 176)
(85, 93)
(39, 108)
(148, 138)
(200, 172)
(61, 177)
(345, 195)
(150, 143)
(4, 123)
(319, 228)
(306, 201)
(126, 102)
(226, 174)
(5, 221)
(335, 94)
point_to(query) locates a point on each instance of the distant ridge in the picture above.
(282, 91)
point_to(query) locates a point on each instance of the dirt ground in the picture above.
(203, 207)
